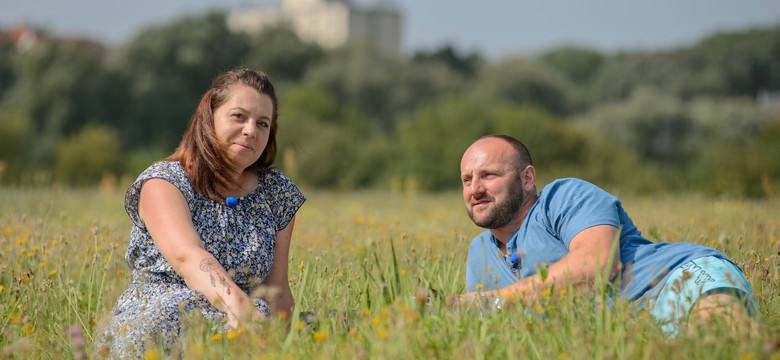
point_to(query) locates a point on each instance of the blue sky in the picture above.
(492, 27)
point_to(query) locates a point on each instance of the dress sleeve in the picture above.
(171, 172)
(288, 198)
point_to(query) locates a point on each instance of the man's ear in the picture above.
(529, 178)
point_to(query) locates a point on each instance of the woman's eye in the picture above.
(238, 116)
(263, 124)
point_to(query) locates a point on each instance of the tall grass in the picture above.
(373, 271)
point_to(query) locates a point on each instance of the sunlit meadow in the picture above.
(363, 267)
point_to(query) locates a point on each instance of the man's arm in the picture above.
(589, 251)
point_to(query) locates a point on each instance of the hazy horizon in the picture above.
(491, 27)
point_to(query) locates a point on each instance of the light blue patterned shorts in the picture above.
(694, 279)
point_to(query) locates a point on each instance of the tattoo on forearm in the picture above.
(210, 266)
(225, 284)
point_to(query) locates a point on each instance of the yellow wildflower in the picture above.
(320, 335)
(152, 354)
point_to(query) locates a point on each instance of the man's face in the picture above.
(492, 188)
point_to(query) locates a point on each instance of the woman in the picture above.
(191, 250)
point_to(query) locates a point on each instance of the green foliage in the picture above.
(354, 117)
(167, 69)
(318, 141)
(748, 62)
(7, 73)
(552, 142)
(650, 122)
(449, 57)
(521, 81)
(733, 64)
(360, 76)
(433, 139)
(281, 54)
(55, 89)
(14, 131)
(89, 155)
(578, 65)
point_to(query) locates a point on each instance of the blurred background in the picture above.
(639, 98)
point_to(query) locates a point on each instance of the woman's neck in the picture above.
(241, 185)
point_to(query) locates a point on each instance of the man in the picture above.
(578, 229)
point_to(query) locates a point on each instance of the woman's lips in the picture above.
(243, 146)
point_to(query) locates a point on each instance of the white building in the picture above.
(329, 23)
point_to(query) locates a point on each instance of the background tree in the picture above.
(578, 65)
(167, 69)
(87, 156)
(55, 89)
(528, 82)
(281, 54)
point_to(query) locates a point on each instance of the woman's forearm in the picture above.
(202, 272)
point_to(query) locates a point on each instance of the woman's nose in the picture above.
(249, 128)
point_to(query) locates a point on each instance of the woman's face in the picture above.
(243, 124)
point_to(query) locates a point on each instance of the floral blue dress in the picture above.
(241, 238)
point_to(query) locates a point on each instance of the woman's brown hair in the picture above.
(200, 152)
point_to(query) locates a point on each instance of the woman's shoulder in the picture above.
(274, 176)
(164, 167)
(275, 183)
(170, 171)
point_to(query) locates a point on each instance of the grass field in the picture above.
(361, 261)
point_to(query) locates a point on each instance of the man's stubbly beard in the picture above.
(502, 212)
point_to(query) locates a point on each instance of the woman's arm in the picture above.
(167, 216)
(279, 296)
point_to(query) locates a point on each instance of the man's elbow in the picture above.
(611, 266)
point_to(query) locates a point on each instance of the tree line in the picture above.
(700, 118)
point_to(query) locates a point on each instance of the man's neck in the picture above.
(503, 233)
